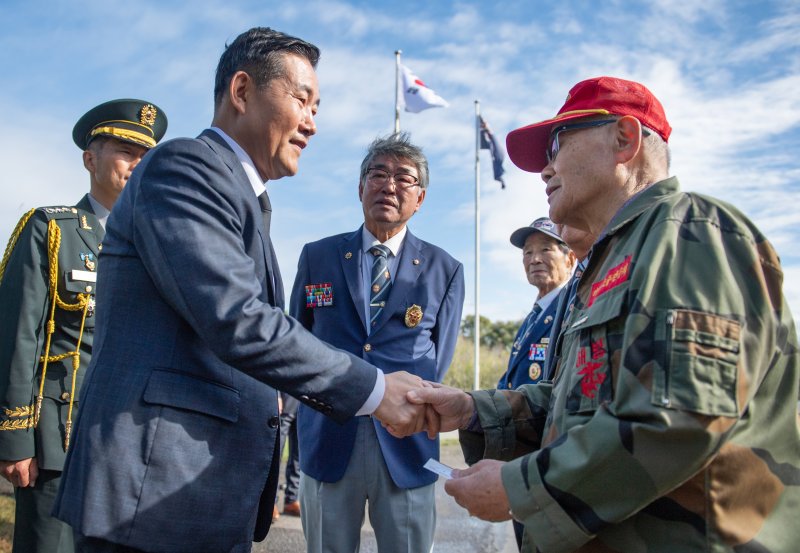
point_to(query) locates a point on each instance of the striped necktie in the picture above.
(381, 282)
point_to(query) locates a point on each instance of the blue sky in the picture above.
(727, 72)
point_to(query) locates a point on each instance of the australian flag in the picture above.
(488, 142)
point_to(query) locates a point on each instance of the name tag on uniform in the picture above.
(86, 276)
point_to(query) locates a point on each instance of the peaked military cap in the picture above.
(129, 120)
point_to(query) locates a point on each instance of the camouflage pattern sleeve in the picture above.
(673, 422)
(511, 423)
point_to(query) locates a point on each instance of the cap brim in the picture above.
(519, 236)
(527, 146)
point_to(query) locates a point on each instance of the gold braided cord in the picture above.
(12, 241)
(76, 363)
(53, 244)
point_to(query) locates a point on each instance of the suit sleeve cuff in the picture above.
(375, 397)
(546, 523)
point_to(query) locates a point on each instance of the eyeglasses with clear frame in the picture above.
(378, 177)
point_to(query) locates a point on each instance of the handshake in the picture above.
(411, 405)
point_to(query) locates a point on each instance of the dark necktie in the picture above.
(565, 301)
(381, 282)
(274, 281)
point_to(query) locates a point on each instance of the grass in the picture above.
(493, 363)
(6, 522)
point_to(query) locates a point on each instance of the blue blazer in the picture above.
(175, 442)
(526, 362)
(426, 276)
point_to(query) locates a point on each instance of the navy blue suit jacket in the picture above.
(534, 343)
(426, 276)
(178, 426)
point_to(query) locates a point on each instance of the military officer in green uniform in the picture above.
(47, 290)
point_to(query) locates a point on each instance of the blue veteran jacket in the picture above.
(426, 277)
(175, 440)
(526, 362)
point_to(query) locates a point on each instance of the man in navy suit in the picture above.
(386, 296)
(175, 445)
(548, 264)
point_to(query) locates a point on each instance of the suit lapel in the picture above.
(274, 282)
(407, 274)
(351, 268)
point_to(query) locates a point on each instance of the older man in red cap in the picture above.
(670, 423)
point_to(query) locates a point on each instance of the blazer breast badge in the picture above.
(413, 316)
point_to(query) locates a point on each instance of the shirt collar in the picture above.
(259, 186)
(100, 211)
(394, 243)
(545, 301)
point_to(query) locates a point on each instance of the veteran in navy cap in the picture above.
(47, 290)
(548, 264)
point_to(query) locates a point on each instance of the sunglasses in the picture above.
(552, 149)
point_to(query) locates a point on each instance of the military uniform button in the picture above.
(65, 396)
(509, 385)
(274, 422)
(367, 347)
(88, 288)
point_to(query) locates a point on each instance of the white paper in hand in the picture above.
(441, 469)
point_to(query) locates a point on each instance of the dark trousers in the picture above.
(35, 531)
(85, 544)
(289, 431)
(519, 528)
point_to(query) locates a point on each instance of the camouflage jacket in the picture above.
(671, 424)
(67, 250)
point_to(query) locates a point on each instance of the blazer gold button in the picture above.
(368, 347)
(65, 396)
(274, 422)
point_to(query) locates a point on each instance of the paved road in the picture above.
(456, 531)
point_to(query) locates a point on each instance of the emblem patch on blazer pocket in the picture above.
(319, 295)
(413, 316)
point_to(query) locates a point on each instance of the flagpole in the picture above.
(397, 90)
(477, 331)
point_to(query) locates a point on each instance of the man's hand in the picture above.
(396, 414)
(479, 489)
(448, 408)
(22, 473)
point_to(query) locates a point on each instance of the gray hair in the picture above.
(398, 146)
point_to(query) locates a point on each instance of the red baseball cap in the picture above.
(599, 96)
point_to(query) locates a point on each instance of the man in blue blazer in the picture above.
(548, 264)
(175, 446)
(386, 296)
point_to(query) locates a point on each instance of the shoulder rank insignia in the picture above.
(348, 255)
(413, 316)
(319, 295)
(88, 261)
